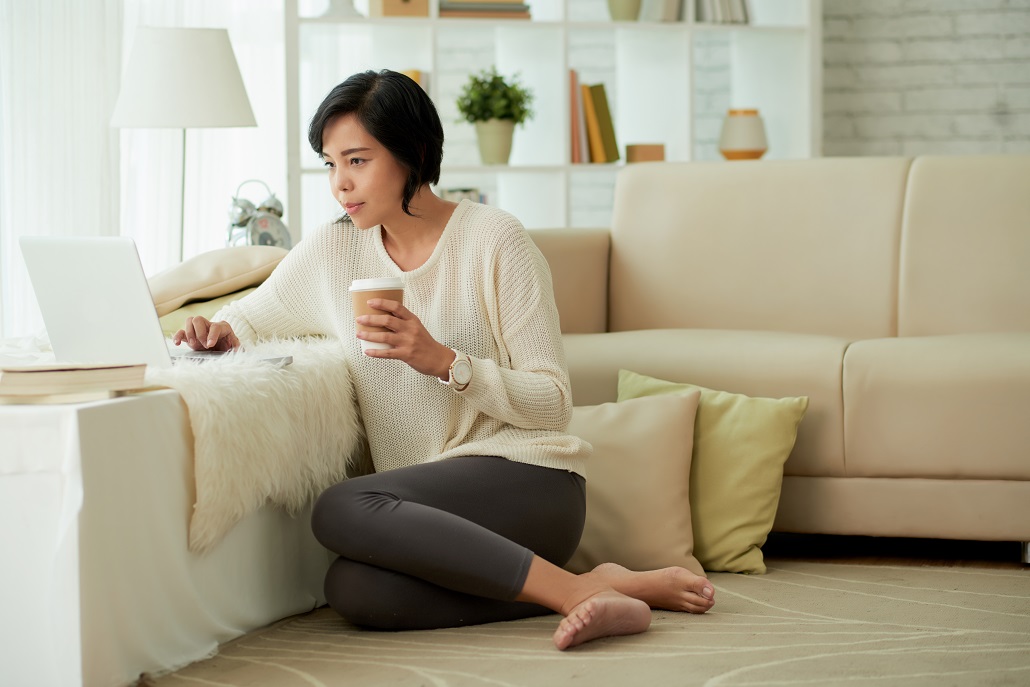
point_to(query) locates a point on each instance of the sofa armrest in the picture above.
(578, 259)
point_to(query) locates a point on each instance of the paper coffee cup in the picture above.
(364, 290)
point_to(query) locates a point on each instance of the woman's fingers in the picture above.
(214, 333)
(202, 335)
(196, 332)
(386, 321)
(393, 307)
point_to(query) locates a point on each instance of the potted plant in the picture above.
(495, 104)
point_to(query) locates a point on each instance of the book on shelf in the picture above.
(67, 378)
(575, 117)
(482, 2)
(478, 14)
(600, 127)
(584, 144)
(418, 76)
(593, 127)
(723, 12)
(661, 10)
(484, 6)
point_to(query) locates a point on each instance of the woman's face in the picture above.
(364, 177)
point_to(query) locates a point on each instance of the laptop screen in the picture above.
(95, 300)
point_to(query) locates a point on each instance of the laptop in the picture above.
(96, 302)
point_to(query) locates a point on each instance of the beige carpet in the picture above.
(803, 623)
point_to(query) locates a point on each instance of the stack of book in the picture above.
(67, 383)
(483, 9)
(592, 129)
(723, 11)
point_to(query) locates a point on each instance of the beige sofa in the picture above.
(894, 292)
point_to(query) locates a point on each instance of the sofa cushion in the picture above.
(740, 445)
(952, 407)
(213, 274)
(638, 509)
(783, 245)
(578, 259)
(766, 364)
(985, 510)
(965, 246)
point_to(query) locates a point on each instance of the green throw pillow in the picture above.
(740, 446)
(173, 321)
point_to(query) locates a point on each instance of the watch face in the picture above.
(462, 372)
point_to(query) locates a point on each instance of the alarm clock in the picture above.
(260, 225)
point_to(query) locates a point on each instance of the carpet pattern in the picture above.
(802, 623)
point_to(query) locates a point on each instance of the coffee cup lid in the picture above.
(377, 284)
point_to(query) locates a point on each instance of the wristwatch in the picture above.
(459, 374)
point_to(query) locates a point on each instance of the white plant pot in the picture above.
(494, 136)
(624, 10)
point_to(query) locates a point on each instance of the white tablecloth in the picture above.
(40, 498)
(97, 585)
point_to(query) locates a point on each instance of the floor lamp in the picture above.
(180, 78)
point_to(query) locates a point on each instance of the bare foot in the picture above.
(605, 614)
(674, 589)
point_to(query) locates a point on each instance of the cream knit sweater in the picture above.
(485, 291)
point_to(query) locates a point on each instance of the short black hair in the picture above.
(397, 113)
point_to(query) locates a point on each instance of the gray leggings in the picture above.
(447, 543)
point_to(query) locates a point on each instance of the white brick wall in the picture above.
(907, 77)
(711, 92)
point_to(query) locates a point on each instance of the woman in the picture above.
(478, 495)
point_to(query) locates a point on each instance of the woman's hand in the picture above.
(202, 335)
(409, 338)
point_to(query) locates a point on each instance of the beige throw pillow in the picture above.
(638, 514)
(213, 274)
(740, 446)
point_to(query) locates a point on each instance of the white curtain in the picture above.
(64, 171)
(59, 73)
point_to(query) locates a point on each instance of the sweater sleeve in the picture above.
(533, 391)
(287, 304)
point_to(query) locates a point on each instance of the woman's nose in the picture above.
(341, 181)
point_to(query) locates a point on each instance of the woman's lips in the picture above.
(351, 208)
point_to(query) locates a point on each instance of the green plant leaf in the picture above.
(489, 95)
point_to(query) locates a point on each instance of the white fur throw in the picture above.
(264, 433)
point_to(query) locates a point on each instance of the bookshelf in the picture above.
(666, 82)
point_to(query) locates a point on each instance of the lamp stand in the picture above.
(182, 200)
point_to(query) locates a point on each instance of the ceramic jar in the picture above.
(743, 135)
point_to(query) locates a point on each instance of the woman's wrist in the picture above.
(447, 356)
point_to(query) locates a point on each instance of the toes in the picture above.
(570, 626)
(697, 608)
(702, 587)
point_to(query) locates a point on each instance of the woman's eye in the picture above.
(328, 164)
(357, 160)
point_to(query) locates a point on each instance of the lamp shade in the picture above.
(182, 78)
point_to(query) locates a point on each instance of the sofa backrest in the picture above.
(799, 246)
(965, 246)
(578, 259)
